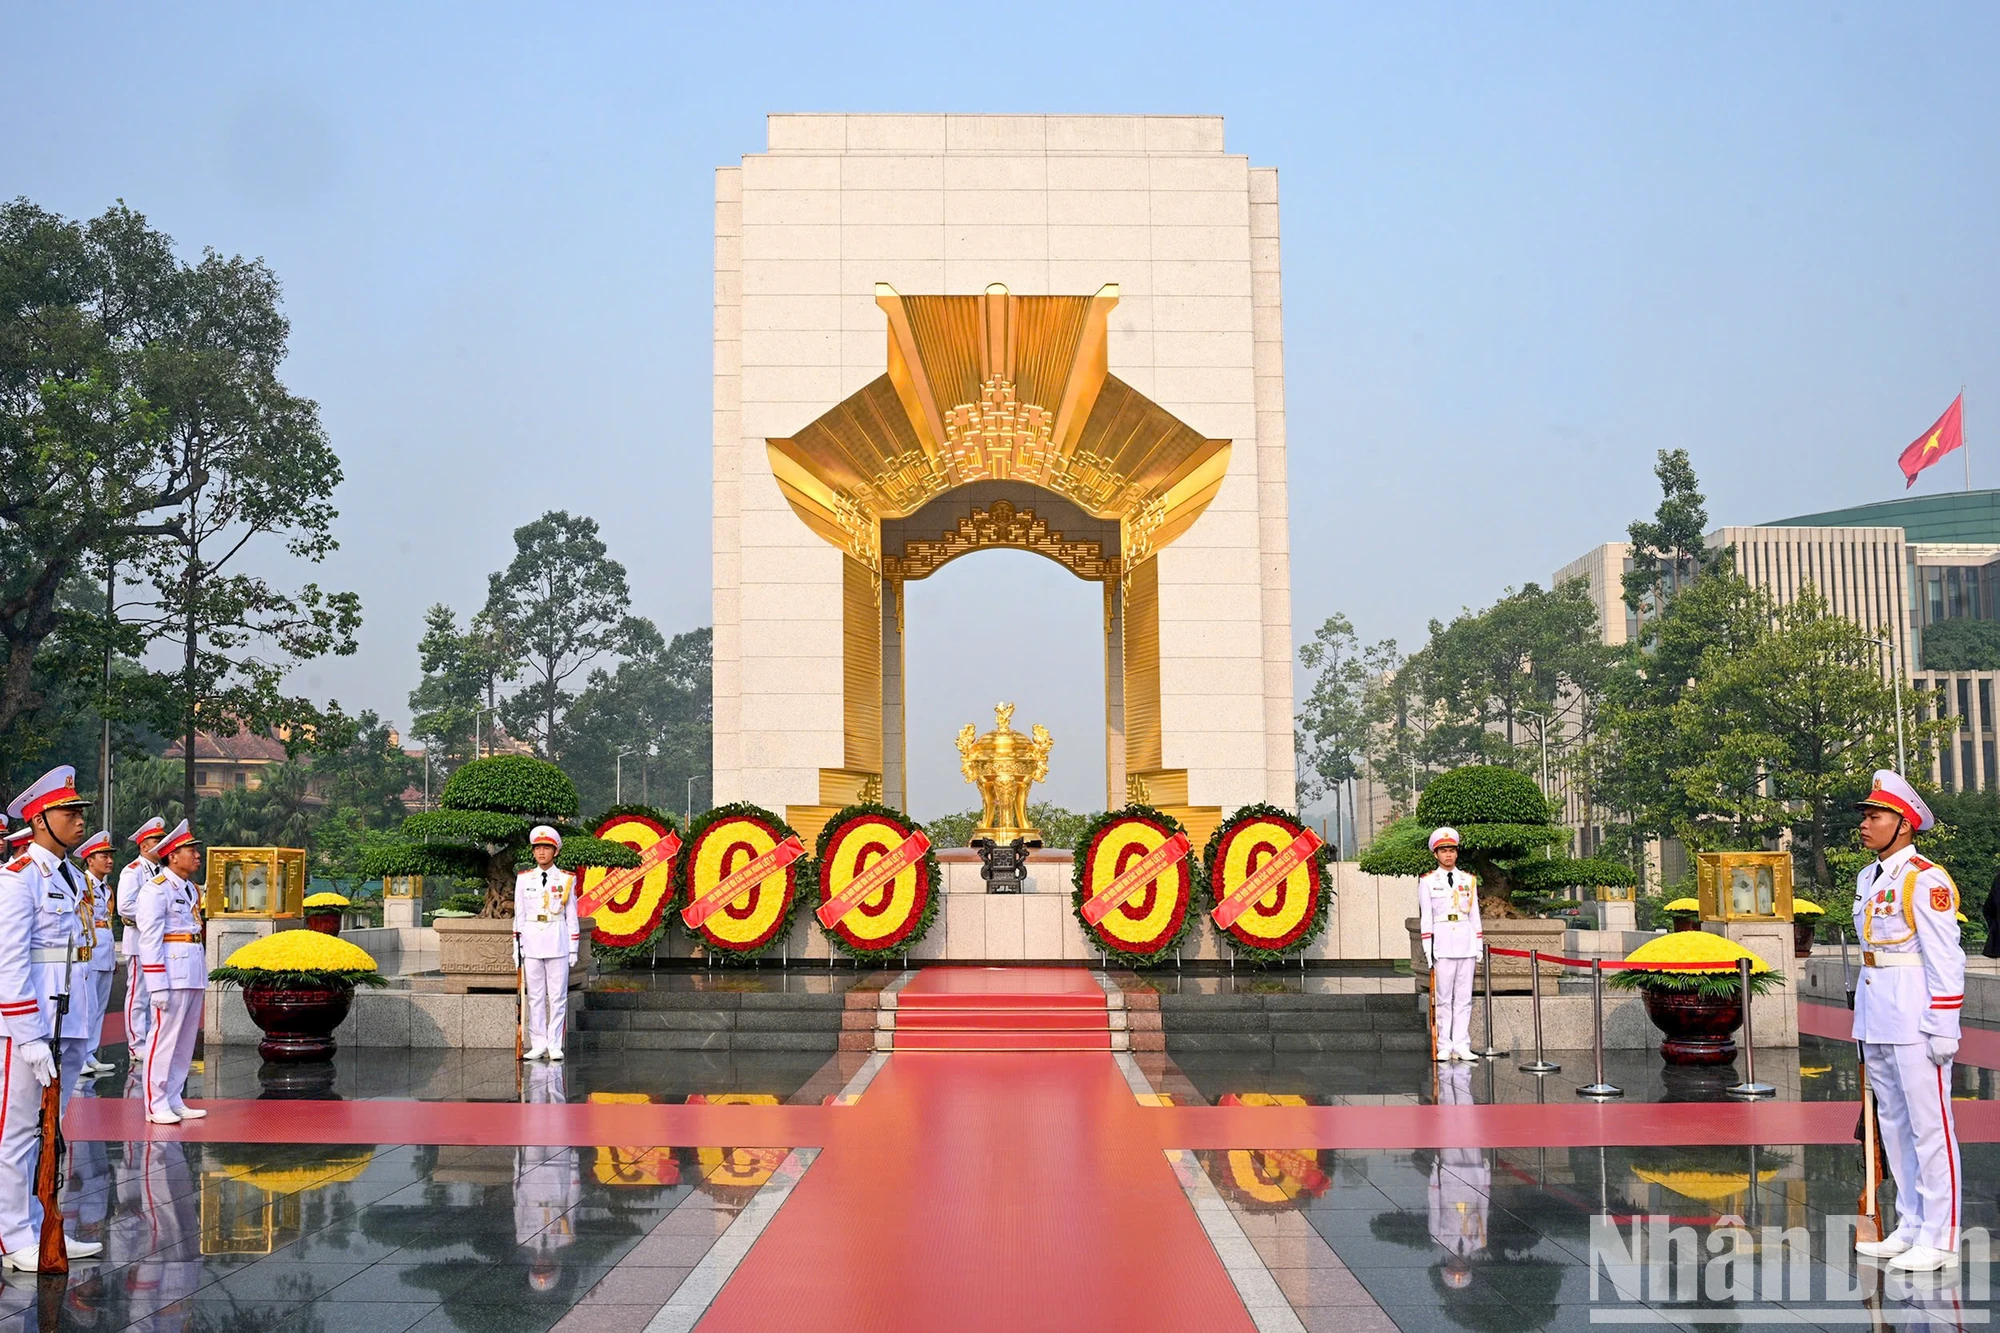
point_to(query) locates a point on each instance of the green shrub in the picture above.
(514, 784)
(1482, 794)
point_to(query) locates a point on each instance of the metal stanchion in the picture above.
(1491, 1052)
(1541, 1064)
(1749, 1087)
(1599, 1089)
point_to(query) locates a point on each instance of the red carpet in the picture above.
(986, 1192)
(1002, 1009)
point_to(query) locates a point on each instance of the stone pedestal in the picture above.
(1619, 916)
(227, 934)
(403, 913)
(476, 953)
(1774, 1017)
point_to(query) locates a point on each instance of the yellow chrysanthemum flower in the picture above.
(327, 900)
(335, 1170)
(301, 951)
(1703, 1186)
(1682, 905)
(1806, 907)
(1693, 946)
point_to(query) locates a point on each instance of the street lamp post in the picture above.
(1896, 680)
(1542, 730)
(475, 730)
(618, 776)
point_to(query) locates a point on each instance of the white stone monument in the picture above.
(936, 334)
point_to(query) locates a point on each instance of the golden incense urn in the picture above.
(1003, 764)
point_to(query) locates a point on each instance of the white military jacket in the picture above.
(23, 889)
(130, 880)
(1913, 967)
(169, 905)
(55, 934)
(103, 955)
(1448, 913)
(545, 913)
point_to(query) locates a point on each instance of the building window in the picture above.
(1986, 752)
(1964, 699)
(1968, 776)
(1945, 776)
(1985, 704)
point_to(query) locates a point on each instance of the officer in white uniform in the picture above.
(1448, 919)
(176, 969)
(138, 1013)
(545, 943)
(38, 934)
(1906, 1019)
(95, 856)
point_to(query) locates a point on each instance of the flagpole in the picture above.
(1964, 444)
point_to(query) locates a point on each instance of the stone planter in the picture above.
(325, 920)
(477, 953)
(298, 1021)
(1698, 1029)
(1802, 939)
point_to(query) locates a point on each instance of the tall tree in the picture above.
(1670, 550)
(657, 704)
(86, 474)
(1333, 725)
(254, 464)
(560, 605)
(1781, 731)
(462, 676)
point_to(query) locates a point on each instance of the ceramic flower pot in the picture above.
(1802, 938)
(325, 920)
(1687, 923)
(1698, 1029)
(298, 1020)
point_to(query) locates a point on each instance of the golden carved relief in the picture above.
(997, 386)
(1006, 526)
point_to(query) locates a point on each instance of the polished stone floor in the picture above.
(318, 1239)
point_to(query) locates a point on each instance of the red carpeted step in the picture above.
(1001, 1000)
(1001, 1020)
(1003, 1041)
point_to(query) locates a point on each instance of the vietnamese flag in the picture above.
(1948, 434)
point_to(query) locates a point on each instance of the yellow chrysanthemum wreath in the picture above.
(327, 900)
(1662, 954)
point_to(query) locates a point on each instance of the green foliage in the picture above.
(243, 976)
(1713, 984)
(1669, 551)
(1962, 645)
(560, 605)
(462, 675)
(1060, 827)
(512, 783)
(1399, 850)
(470, 901)
(666, 819)
(1334, 722)
(580, 850)
(1482, 794)
(657, 702)
(468, 826)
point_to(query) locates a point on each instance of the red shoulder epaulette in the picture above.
(21, 863)
(1918, 863)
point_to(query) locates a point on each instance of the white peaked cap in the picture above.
(1439, 837)
(543, 834)
(1893, 792)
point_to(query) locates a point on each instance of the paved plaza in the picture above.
(662, 1190)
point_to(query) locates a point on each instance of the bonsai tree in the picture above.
(1507, 833)
(480, 830)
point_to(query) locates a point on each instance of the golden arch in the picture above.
(1008, 392)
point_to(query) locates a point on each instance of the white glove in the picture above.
(1942, 1049)
(158, 999)
(517, 951)
(572, 958)
(39, 1061)
(1428, 960)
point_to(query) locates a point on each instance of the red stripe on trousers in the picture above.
(1950, 1147)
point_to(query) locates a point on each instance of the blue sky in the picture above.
(1525, 247)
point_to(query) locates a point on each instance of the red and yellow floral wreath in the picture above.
(632, 914)
(893, 918)
(721, 841)
(1148, 925)
(1288, 918)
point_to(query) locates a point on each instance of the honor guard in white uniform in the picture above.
(39, 935)
(1906, 1019)
(176, 970)
(138, 1013)
(545, 943)
(1448, 920)
(95, 857)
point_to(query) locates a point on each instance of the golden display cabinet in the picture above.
(255, 881)
(1744, 886)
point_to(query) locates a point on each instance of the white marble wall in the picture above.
(1047, 205)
